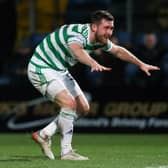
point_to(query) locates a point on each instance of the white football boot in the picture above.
(71, 155)
(45, 145)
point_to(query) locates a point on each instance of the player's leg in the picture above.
(66, 118)
(40, 82)
(67, 153)
(66, 121)
(43, 138)
(63, 122)
(55, 88)
(59, 93)
(49, 83)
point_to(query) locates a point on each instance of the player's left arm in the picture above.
(125, 55)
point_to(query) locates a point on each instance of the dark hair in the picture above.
(98, 15)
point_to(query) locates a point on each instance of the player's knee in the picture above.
(70, 103)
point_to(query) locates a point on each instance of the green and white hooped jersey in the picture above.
(53, 51)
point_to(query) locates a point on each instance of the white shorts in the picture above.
(50, 82)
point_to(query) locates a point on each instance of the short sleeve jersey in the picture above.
(54, 52)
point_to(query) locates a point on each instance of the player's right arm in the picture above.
(83, 57)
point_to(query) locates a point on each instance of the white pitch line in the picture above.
(163, 166)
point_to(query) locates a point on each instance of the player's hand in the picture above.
(99, 68)
(147, 68)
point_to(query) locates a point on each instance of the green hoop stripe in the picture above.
(58, 56)
(40, 58)
(70, 116)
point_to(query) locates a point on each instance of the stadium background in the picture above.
(119, 101)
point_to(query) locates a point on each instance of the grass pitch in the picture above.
(104, 151)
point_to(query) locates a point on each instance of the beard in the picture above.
(101, 38)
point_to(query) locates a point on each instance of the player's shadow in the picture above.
(19, 158)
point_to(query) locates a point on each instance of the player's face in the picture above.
(104, 31)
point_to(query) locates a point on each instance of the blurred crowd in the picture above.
(150, 47)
